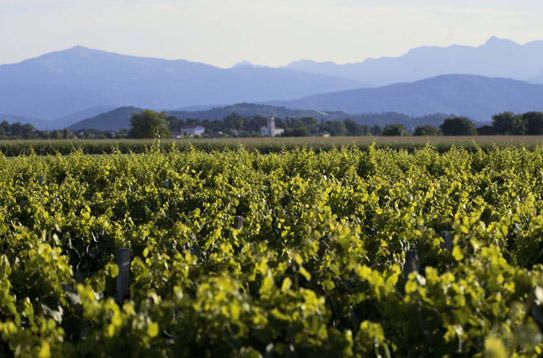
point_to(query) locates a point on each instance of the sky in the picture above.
(266, 32)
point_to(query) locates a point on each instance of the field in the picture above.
(336, 253)
(263, 145)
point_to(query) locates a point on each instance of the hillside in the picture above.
(120, 117)
(115, 119)
(36, 123)
(254, 110)
(61, 83)
(59, 123)
(474, 96)
(249, 110)
(80, 115)
(496, 58)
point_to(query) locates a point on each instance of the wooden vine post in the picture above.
(123, 278)
(447, 240)
(411, 262)
(238, 222)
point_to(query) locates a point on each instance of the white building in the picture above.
(195, 131)
(270, 130)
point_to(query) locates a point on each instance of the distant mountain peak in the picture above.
(493, 41)
(78, 48)
(308, 62)
(302, 61)
(245, 63)
(73, 52)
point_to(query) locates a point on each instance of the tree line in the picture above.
(151, 124)
(529, 123)
(240, 126)
(19, 130)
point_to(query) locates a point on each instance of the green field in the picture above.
(319, 268)
(264, 145)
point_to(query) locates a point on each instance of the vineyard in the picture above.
(13, 148)
(341, 253)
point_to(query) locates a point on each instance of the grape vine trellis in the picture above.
(294, 254)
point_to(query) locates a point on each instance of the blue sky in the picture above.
(268, 32)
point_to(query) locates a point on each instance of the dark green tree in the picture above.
(66, 133)
(28, 131)
(56, 134)
(395, 129)
(335, 128)
(149, 124)
(309, 121)
(426, 130)
(353, 128)
(458, 126)
(256, 123)
(16, 130)
(486, 130)
(4, 129)
(534, 122)
(509, 123)
(376, 130)
(299, 131)
(175, 124)
(234, 121)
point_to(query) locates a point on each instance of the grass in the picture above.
(265, 145)
(380, 141)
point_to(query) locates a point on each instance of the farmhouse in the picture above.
(194, 131)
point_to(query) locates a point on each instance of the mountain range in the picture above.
(496, 58)
(62, 88)
(61, 83)
(476, 97)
